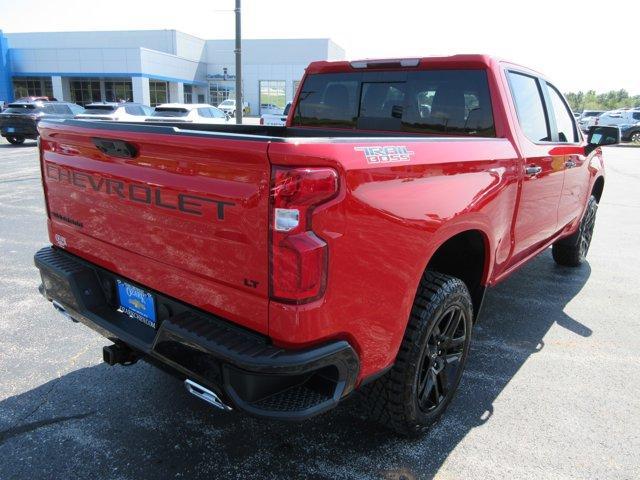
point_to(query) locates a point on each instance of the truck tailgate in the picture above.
(193, 205)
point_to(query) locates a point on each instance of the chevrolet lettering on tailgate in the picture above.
(135, 192)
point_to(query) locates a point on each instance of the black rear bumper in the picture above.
(19, 126)
(244, 368)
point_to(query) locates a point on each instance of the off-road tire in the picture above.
(393, 399)
(15, 139)
(572, 251)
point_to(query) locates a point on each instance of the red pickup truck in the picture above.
(278, 269)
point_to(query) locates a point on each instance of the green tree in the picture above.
(590, 100)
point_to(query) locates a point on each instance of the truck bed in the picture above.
(221, 265)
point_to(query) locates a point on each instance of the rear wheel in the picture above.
(15, 139)
(572, 251)
(635, 137)
(431, 359)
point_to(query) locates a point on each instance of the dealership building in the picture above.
(153, 67)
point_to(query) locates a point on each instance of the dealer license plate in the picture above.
(137, 303)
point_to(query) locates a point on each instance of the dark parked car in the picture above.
(19, 120)
(630, 132)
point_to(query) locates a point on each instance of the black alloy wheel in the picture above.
(586, 228)
(572, 251)
(416, 391)
(441, 364)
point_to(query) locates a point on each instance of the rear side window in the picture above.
(204, 112)
(564, 119)
(61, 109)
(50, 109)
(636, 115)
(453, 102)
(134, 110)
(531, 112)
(216, 113)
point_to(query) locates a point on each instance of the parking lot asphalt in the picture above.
(551, 390)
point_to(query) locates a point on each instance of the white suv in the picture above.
(188, 112)
(119, 112)
(229, 107)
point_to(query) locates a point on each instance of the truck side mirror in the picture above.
(600, 136)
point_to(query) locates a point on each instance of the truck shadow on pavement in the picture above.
(26, 144)
(137, 422)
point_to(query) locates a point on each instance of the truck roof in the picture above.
(419, 63)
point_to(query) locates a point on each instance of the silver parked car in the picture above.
(587, 119)
(619, 117)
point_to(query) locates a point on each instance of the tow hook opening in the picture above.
(205, 394)
(119, 355)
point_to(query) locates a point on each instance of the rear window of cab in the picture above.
(451, 102)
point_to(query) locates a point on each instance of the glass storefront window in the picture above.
(296, 84)
(188, 93)
(32, 87)
(220, 91)
(48, 89)
(118, 90)
(272, 95)
(85, 91)
(158, 92)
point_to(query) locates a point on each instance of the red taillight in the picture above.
(42, 146)
(298, 256)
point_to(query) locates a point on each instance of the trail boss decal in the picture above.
(135, 192)
(388, 154)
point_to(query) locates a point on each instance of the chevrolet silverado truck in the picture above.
(276, 270)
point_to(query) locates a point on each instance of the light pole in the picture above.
(238, 52)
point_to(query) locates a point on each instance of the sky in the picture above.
(565, 40)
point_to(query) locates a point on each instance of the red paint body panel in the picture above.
(385, 226)
(206, 260)
(381, 229)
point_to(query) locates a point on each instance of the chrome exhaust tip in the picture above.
(63, 311)
(205, 394)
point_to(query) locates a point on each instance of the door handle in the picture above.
(570, 164)
(533, 170)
